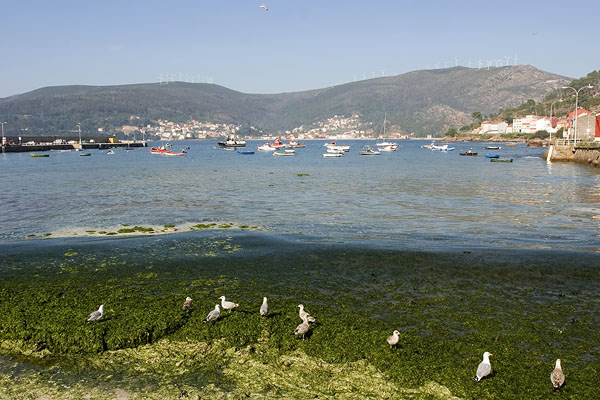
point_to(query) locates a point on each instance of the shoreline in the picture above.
(449, 307)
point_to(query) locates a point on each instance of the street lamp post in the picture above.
(2, 144)
(551, 105)
(576, 105)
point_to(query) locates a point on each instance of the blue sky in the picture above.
(296, 45)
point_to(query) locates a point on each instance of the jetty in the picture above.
(24, 145)
(568, 150)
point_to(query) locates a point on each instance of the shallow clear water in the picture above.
(412, 198)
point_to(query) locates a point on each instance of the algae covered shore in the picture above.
(527, 308)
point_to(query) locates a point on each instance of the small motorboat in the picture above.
(492, 156)
(369, 151)
(85, 154)
(283, 153)
(331, 155)
(110, 152)
(266, 147)
(501, 160)
(39, 155)
(442, 148)
(493, 147)
(468, 153)
(245, 152)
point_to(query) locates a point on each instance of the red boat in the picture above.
(468, 153)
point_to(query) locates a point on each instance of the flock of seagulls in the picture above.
(484, 369)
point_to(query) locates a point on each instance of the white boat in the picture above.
(428, 146)
(442, 148)
(335, 146)
(232, 141)
(266, 147)
(369, 151)
(283, 153)
(334, 151)
(386, 146)
(110, 152)
(328, 155)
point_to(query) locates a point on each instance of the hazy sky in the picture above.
(295, 45)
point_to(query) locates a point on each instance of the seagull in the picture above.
(305, 316)
(213, 315)
(484, 368)
(302, 329)
(264, 309)
(264, 6)
(557, 376)
(96, 315)
(187, 304)
(393, 339)
(227, 305)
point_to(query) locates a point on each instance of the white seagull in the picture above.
(213, 315)
(557, 376)
(187, 304)
(227, 305)
(304, 315)
(96, 315)
(264, 6)
(484, 368)
(393, 339)
(264, 308)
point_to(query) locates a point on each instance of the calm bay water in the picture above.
(413, 198)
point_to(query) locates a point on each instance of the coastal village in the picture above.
(341, 127)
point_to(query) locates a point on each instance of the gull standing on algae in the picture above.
(227, 305)
(393, 339)
(302, 329)
(187, 304)
(484, 368)
(213, 315)
(264, 308)
(96, 315)
(305, 316)
(557, 376)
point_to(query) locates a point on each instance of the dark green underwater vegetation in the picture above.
(526, 308)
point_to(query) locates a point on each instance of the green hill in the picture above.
(424, 102)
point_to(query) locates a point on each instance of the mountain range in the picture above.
(424, 102)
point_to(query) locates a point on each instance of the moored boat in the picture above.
(245, 152)
(501, 160)
(283, 153)
(492, 156)
(369, 151)
(232, 141)
(332, 155)
(469, 152)
(39, 155)
(493, 147)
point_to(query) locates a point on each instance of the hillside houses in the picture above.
(588, 125)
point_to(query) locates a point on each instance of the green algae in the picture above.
(449, 310)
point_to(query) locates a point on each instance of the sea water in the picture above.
(460, 254)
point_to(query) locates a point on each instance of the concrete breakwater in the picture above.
(581, 153)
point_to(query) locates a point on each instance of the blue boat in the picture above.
(245, 152)
(492, 156)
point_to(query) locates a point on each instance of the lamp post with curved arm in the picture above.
(576, 105)
(552, 105)
(2, 143)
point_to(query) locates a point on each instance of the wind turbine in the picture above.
(516, 58)
(456, 61)
(489, 63)
(498, 62)
(507, 58)
(480, 63)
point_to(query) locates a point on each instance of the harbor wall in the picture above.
(584, 154)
